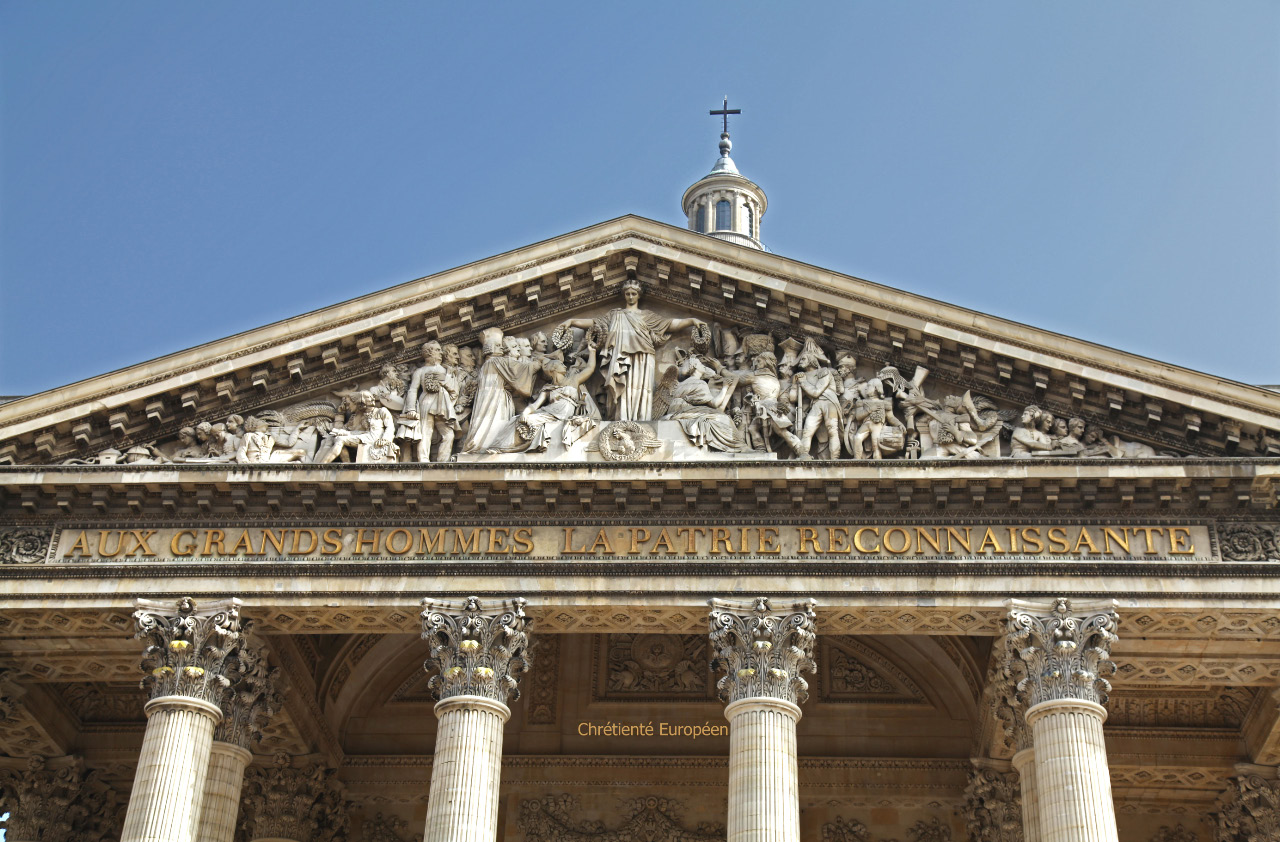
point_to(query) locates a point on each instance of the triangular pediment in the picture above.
(949, 363)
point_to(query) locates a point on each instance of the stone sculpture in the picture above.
(661, 386)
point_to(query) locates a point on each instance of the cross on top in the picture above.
(725, 111)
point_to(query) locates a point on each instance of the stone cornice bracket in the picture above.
(762, 653)
(476, 651)
(1249, 809)
(189, 646)
(252, 697)
(287, 802)
(1057, 654)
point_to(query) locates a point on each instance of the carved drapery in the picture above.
(251, 697)
(1249, 810)
(993, 806)
(303, 803)
(476, 652)
(58, 801)
(1056, 655)
(649, 819)
(762, 653)
(189, 647)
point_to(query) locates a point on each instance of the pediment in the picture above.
(944, 377)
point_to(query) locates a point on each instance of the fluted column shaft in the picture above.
(164, 805)
(463, 804)
(764, 790)
(222, 786)
(1072, 777)
(1024, 763)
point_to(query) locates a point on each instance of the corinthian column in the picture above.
(762, 654)
(290, 803)
(478, 654)
(248, 704)
(1059, 659)
(185, 662)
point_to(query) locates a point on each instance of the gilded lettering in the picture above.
(431, 544)
(989, 539)
(601, 541)
(523, 537)
(405, 541)
(887, 541)
(953, 538)
(664, 540)
(81, 546)
(809, 536)
(767, 536)
(838, 540)
(1121, 539)
(857, 539)
(639, 536)
(174, 545)
(296, 549)
(1058, 538)
(721, 536)
(1083, 539)
(245, 542)
(1031, 537)
(1180, 537)
(332, 542)
(466, 542)
(277, 542)
(498, 541)
(923, 537)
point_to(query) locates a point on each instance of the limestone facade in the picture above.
(871, 596)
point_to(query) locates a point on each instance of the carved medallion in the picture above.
(24, 546)
(853, 672)
(1249, 542)
(626, 441)
(653, 666)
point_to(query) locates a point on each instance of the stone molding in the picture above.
(763, 653)
(476, 652)
(1056, 655)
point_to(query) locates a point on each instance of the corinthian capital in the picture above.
(762, 653)
(993, 806)
(1249, 809)
(291, 802)
(189, 645)
(1057, 654)
(251, 698)
(58, 800)
(478, 652)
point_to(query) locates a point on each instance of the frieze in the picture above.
(822, 541)
(1164, 707)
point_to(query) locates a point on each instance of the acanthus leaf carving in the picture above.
(251, 697)
(651, 819)
(285, 801)
(762, 653)
(188, 646)
(993, 806)
(24, 546)
(59, 801)
(476, 652)
(1249, 541)
(1056, 655)
(1249, 810)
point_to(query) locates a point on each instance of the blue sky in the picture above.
(174, 173)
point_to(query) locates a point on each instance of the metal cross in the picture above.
(725, 111)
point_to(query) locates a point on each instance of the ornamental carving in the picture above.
(854, 672)
(1249, 542)
(100, 702)
(1179, 707)
(622, 383)
(24, 546)
(762, 653)
(929, 830)
(476, 652)
(1177, 833)
(382, 828)
(993, 806)
(670, 666)
(251, 699)
(11, 693)
(284, 801)
(543, 689)
(1057, 655)
(845, 830)
(652, 819)
(59, 801)
(1249, 810)
(188, 646)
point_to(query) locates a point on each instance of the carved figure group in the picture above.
(637, 378)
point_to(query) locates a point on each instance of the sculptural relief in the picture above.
(635, 384)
